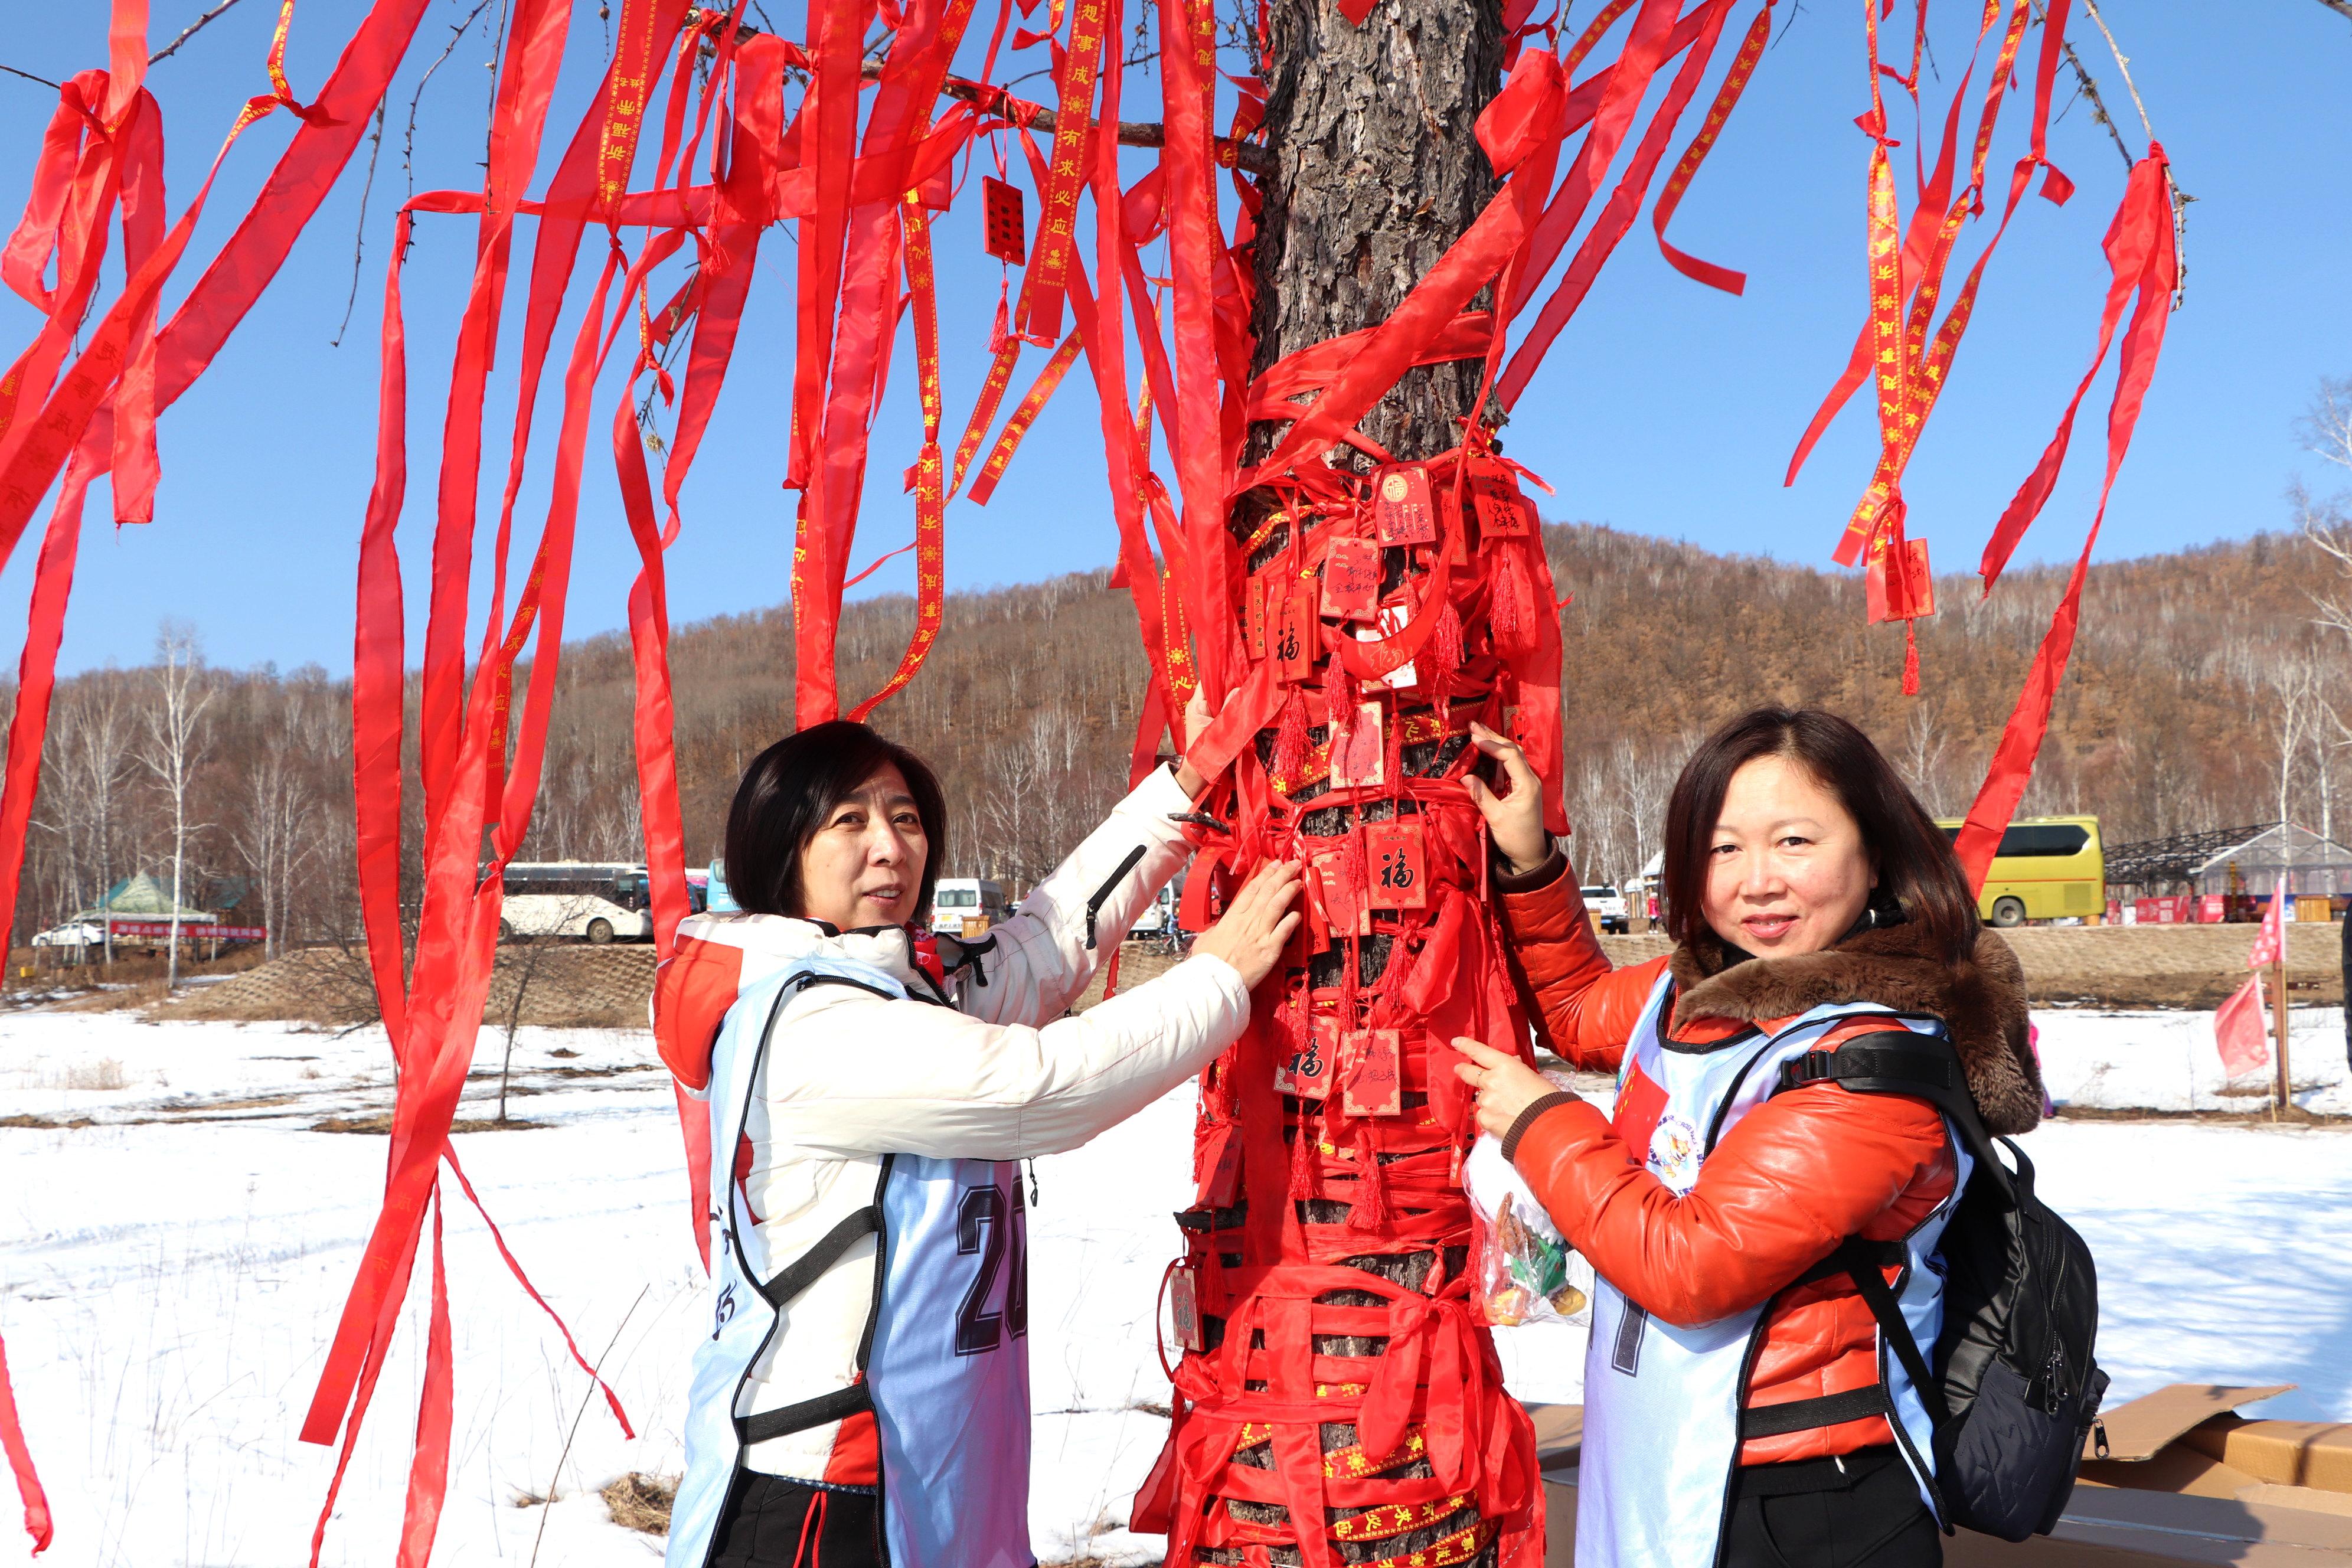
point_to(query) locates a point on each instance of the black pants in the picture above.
(1812, 1514)
(770, 1522)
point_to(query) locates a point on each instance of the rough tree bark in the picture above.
(1376, 173)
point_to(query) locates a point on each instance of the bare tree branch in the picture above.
(28, 76)
(2341, 7)
(2090, 89)
(190, 31)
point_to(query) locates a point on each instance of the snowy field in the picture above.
(169, 1275)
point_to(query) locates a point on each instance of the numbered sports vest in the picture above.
(945, 1369)
(1663, 1405)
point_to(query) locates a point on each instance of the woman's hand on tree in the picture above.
(1505, 1086)
(1514, 819)
(1254, 927)
(1197, 718)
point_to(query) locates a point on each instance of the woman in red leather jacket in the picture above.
(1804, 886)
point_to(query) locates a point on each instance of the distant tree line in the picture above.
(2204, 691)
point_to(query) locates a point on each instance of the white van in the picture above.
(967, 905)
(595, 900)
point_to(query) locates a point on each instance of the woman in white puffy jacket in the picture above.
(862, 1396)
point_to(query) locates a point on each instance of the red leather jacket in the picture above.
(1792, 1179)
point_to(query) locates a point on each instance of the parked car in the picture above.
(1606, 902)
(73, 934)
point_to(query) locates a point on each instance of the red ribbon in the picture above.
(20, 1461)
(2139, 246)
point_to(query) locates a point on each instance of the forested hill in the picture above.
(2168, 719)
(2191, 671)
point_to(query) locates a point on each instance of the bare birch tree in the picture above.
(176, 745)
(273, 835)
(2326, 430)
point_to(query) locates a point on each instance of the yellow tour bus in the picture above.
(2047, 868)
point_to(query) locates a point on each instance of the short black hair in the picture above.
(790, 789)
(1917, 869)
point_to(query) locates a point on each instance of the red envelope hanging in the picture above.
(1351, 579)
(1889, 596)
(1400, 868)
(1359, 758)
(1007, 230)
(1222, 1166)
(1345, 913)
(1400, 505)
(1308, 1072)
(1370, 1077)
(1393, 620)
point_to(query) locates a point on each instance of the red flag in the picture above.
(2270, 945)
(2240, 1033)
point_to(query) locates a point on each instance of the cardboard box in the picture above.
(2185, 1480)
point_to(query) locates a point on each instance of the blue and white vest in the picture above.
(946, 1371)
(1663, 1405)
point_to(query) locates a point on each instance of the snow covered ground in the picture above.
(171, 1270)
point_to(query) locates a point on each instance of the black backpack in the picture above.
(2014, 1390)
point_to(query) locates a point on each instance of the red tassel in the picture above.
(1001, 332)
(1302, 1156)
(1910, 659)
(1290, 745)
(1370, 1209)
(1446, 640)
(1339, 699)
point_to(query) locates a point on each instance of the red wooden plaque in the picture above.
(1007, 229)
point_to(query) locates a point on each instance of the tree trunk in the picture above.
(1377, 172)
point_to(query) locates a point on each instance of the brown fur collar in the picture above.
(1981, 1001)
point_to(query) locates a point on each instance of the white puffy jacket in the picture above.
(999, 1073)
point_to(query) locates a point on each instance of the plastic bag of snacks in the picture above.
(1521, 1271)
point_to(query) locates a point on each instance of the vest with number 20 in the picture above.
(946, 1365)
(1664, 1407)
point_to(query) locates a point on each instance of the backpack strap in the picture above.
(1925, 1066)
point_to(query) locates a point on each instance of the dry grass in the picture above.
(134, 998)
(640, 1502)
(381, 1122)
(104, 1074)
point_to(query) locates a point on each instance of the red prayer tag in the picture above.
(1502, 512)
(1400, 507)
(1254, 618)
(1307, 1073)
(1351, 579)
(1399, 871)
(1007, 228)
(1184, 1306)
(1371, 1083)
(1297, 633)
(1359, 758)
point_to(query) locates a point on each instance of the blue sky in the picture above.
(1666, 408)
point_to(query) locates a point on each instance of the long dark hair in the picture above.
(790, 789)
(1917, 870)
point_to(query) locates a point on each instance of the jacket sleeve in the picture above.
(1585, 1010)
(1796, 1176)
(1046, 950)
(853, 1073)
